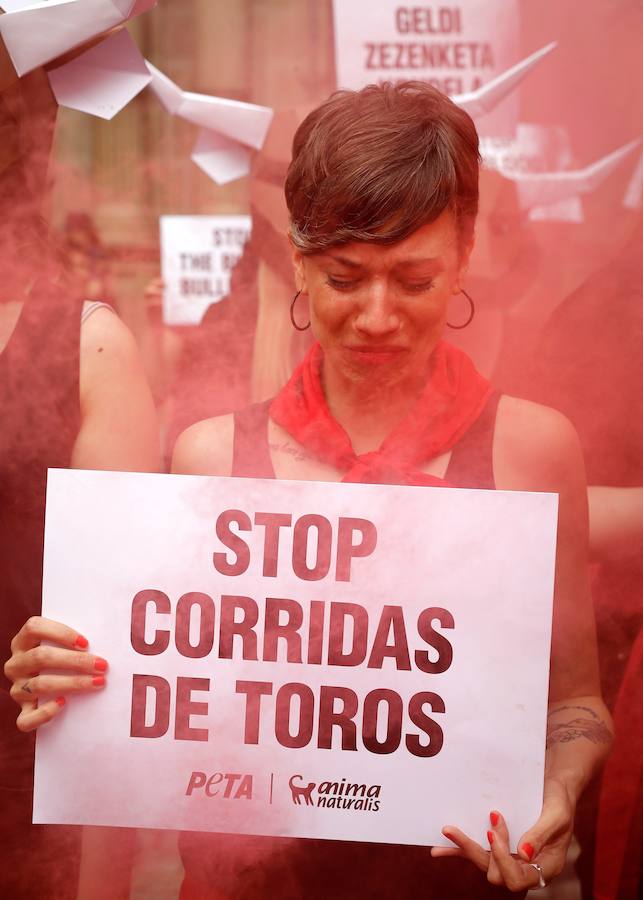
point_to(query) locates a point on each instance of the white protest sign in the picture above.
(343, 661)
(457, 47)
(198, 254)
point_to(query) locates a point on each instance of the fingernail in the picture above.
(98, 680)
(490, 837)
(81, 642)
(60, 701)
(493, 817)
(100, 664)
(528, 850)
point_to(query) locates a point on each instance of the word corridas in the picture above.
(303, 634)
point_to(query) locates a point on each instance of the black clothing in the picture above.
(470, 465)
(256, 868)
(40, 418)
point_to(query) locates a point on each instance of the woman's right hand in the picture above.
(41, 695)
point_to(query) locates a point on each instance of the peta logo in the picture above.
(228, 785)
(335, 794)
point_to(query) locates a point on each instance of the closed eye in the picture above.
(417, 287)
(340, 284)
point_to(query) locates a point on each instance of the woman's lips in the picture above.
(374, 354)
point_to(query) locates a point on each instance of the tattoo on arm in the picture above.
(297, 453)
(552, 712)
(582, 726)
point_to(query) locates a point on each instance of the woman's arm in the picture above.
(536, 449)
(106, 863)
(205, 448)
(615, 522)
(118, 431)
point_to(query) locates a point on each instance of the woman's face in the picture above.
(378, 311)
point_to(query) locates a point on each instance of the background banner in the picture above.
(455, 47)
(304, 659)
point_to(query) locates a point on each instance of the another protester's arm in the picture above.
(537, 449)
(118, 431)
(107, 860)
(615, 522)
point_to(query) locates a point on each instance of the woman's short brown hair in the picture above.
(374, 165)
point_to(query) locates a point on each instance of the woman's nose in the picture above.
(377, 316)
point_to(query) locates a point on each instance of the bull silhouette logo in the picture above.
(299, 791)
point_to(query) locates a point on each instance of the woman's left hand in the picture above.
(546, 844)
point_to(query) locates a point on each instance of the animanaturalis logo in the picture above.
(335, 794)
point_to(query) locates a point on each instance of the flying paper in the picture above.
(228, 127)
(13, 5)
(544, 188)
(486, 98)
(634, 191)
(242, 122)
(220, 158)
(104, 79)
(535, 148)
(37, 34)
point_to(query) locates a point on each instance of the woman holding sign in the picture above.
(382, 193)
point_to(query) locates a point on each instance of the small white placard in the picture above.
(198, 254)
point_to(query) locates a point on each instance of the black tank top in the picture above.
(39, 421)
(470, 465)
(255, 868)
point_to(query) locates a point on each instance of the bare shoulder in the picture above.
(119, 427)
(205, 448)
(104, 328)
(535, 447)
(107, 348)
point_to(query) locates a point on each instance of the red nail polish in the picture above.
(60, 701)
(490, 837)
(493, 816)
(528, 850)
(98, 680)
(100, 664)
(81, 642)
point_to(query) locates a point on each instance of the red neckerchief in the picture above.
(454, 397)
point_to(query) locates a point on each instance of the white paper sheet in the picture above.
(484, 100)
(475, 565)
(543, 188)
(170, 94)
(103, 80)
(634, 191)
(535, 149)
(13, 5)
(220, 158)
(246, 123)
(37, 34)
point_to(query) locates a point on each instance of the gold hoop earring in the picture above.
(472, 312)
(292, 315)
